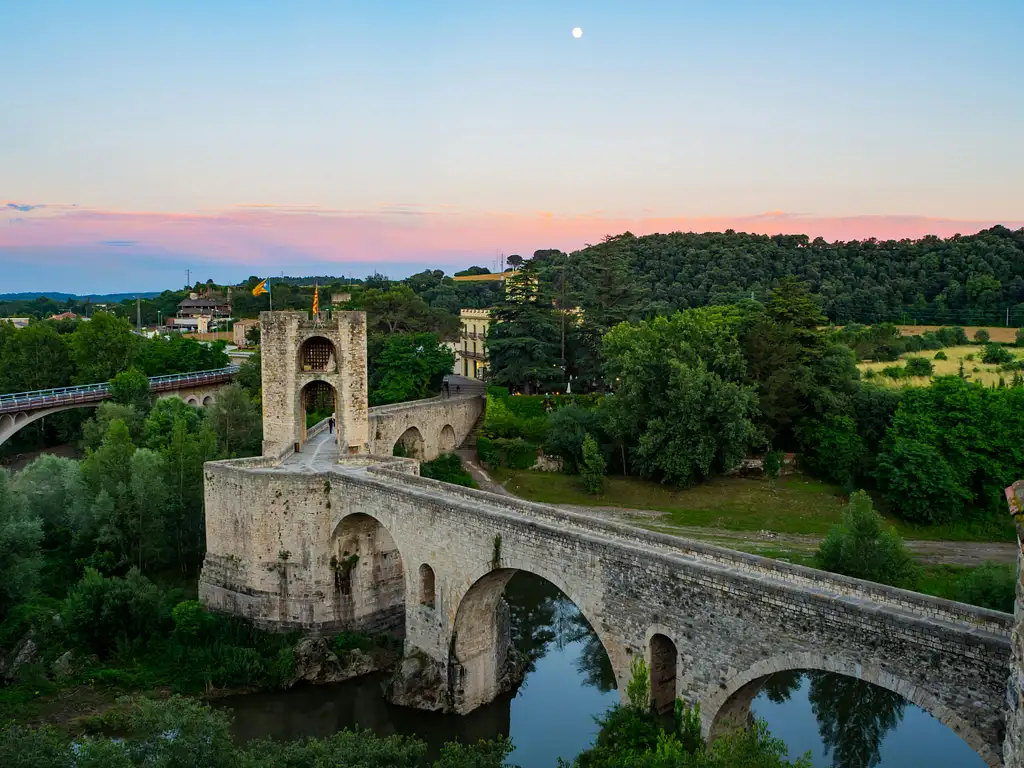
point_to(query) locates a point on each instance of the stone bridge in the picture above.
(424, 428)
(334, 538)
(22, 408)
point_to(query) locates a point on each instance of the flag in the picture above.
(316, 298)
(261, 288)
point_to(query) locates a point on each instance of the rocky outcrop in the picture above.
(25, 652)
(418, 682)
(316, 663)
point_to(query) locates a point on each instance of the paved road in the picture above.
(319, 453)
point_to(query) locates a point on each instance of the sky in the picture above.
(141, 139)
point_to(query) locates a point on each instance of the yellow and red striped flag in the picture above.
(316, 298)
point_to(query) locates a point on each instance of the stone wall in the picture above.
(726, 618)
(441, 424)
(1013, 749)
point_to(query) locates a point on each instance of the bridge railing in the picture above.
(87, 393)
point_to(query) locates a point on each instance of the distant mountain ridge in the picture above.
(95, 298)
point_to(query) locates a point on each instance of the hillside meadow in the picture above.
(974, 369)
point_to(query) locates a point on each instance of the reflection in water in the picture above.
(849, 723)
(845, 723)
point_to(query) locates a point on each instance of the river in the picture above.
(844, 723)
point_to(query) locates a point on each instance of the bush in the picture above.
(990, 586)
(997, 354)
(940, 355)
(861, 547)
(593, 466)
(834, 450)
(982, 336)
(894, 371)
(514, 453)
(918, 366)
(569, 427)
(448, 469)
(1019, 337)
(101, 612)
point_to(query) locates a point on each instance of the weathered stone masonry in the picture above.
(1014, 747)
(360, 541)
(732, 618)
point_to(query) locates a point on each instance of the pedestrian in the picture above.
(447, 388)
(457, 388)
(330, 425)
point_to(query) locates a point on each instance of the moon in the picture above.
(577, 32)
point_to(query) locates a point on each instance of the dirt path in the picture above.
(939, 552)
(471, 463)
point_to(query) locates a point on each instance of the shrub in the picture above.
(448, 469)
(861, 547)
(940, 355)
(593, 466)
(834, 450)
(513, 453)
(1019, 337)
(918, 366)
(997, 354)
(569, 427)
(991, 586)
(773, 461)
(982, 336)
(100, 612)
(893, 371)
(486, 451)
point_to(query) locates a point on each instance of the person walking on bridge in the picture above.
(330, 425)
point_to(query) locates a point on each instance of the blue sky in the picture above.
(405, 133)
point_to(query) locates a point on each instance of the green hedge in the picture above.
(513, 453)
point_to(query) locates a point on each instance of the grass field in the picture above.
(986, 374)
(793, 504)
(996, 332)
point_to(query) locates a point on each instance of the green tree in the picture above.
(188, 447)
(160, 423)
(862, 547)
(21, 534)
(982, 336)
(568, 428)
(409, 367)
(131, 388)
(836, 450)
(96, 428)
(250, 376)
(236, 422)
(524, 339)
(102, 348)
(678, 398)
(101, 612)
(593, 467)
(34, 357)
(919, 366)
(1019, 337)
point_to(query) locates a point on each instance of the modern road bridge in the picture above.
(21, 408)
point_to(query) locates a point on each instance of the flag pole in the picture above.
(270, 295)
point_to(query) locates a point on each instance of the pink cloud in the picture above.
(402, 232)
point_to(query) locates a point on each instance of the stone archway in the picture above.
(410, 444)
(368, 576)
(482, 663)
(447, 441)
(727, 704)
(207, 401)
(318, 400)
(193, 402)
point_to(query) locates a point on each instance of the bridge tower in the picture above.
(313, 366)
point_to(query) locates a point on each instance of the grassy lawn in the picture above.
(986, 374)
(794, 504)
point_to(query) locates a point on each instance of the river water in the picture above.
(843, 722)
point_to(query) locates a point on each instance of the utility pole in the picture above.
(138, 314)
(188, 279)
(1007, 317)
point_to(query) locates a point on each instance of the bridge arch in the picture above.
(447, 441)
(316, 397)
(193, 401)
(663, 663)
(207, 401)
(731, 699)
(368, 575)
(410, 443)
(481, 664)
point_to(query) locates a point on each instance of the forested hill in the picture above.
(969, 280)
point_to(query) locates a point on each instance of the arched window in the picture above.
(318, 355)
(426, 585)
